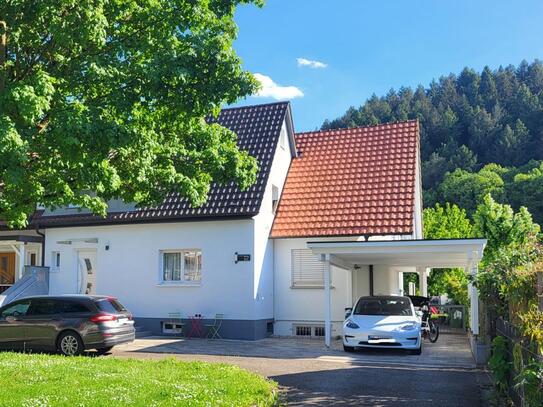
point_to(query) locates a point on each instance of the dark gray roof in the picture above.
(258, 129)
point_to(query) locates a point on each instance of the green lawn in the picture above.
(50, 380)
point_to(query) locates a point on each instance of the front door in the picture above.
(87, 271)
(7, 270)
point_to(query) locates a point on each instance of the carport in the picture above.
(406, 255)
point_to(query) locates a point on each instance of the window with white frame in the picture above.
(275, 198)
(181, 266)
(31, 257)
(307, 269)
(55, 261)
(283, 138)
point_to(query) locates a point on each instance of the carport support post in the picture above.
(474, 300)
(327, 302)
(423, 281)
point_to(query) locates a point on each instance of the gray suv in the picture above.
(67, 324)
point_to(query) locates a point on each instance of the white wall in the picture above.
(306, 306)
(263, 245)
(386, 280)
(361, 282)
(130, 271)
(294, 305)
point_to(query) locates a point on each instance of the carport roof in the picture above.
(441, 253)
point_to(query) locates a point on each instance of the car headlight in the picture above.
(352, 325)
(409, 327)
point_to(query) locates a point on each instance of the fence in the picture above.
(528, 351)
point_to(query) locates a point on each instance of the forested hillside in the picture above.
(480, 132)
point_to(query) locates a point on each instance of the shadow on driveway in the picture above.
(382, 386)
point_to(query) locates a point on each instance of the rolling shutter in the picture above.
(307, 269)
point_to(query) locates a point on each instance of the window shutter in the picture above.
(307, 269)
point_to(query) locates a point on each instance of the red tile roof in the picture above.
(357, 181)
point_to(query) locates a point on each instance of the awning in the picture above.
(7, 239)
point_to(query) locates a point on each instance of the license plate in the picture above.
(380, 339)
(123, 320)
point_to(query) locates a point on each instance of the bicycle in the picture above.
(428, 328)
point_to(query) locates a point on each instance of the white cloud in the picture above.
(270, 89)
(311, 63)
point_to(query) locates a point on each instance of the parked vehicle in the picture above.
(67, 324)
(382, 322)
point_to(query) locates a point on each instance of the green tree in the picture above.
(494, 117)
(507, 277)
(448, 222)
(526, 188)
(467, 189)
(108, 99)
(505, 229)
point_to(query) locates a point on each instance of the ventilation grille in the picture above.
(309, 331)
(303, 330)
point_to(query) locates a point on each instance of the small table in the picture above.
(196, 326)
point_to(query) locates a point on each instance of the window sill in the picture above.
(179, 284)
(309, 287)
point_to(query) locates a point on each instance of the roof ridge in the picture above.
(357, 127)
(283, 102)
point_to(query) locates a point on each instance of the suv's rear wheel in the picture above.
(70, 344)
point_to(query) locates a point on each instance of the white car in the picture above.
(382, 322)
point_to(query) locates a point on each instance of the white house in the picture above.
(333, 215)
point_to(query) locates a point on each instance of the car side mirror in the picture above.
(348, 312)
(418, 313)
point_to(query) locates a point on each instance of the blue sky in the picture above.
(371, 46)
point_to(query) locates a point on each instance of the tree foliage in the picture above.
(468, 121)
(448, 222)
(511, 259)
(505, 230)
(103, 99)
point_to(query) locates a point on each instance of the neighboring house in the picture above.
(333, 215)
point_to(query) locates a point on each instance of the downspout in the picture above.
(37, 229)
(371, 279)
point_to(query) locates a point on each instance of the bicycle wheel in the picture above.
(433, 332)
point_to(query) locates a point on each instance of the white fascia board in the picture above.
(474, 247)
(290, 132)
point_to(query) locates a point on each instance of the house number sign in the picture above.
(242, 257)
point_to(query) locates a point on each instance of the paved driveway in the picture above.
(310, 374)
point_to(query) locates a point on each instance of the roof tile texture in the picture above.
(258, 128)
(358, 181)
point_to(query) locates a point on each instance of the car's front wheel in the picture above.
(70, 344)
(348, 348)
